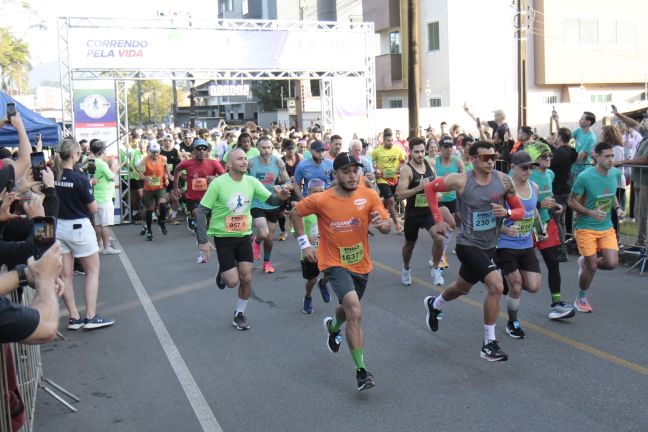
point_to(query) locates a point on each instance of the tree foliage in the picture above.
(268, 93)
(14, 63)
(163, 98)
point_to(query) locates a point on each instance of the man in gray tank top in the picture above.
(480, 197)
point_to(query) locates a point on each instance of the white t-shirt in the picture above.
(618, 156)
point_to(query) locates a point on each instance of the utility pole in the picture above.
(413, 67)
(521, 23)
(155, 117)
(175, 100)
(139, 98)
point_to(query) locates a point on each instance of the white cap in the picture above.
(153, 146)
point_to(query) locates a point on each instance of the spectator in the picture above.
(611, 135)
(561, 164)
(103, 180)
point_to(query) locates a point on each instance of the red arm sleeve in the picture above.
(431, 190)
(517, 209)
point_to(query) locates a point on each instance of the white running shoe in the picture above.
(406, 277)
(110, 251)
(437, 276)
(200, 259)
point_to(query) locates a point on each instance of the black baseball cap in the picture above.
(522, 158)
(345, 159)
(317, 146)
(446, 141)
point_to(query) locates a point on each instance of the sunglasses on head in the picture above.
(486, 157)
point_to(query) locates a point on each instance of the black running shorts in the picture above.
(476, 264)
(415, 223)
(270, 215)
(386, 190)
(233, 250)
(309, 269)
(510, 260)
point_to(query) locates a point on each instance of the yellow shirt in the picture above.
(388, 161)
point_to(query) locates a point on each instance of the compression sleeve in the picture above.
(431, 190)
(517, 209)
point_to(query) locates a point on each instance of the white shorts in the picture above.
(105, 215)
(77, 237)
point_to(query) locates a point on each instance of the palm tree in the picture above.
(14, 63)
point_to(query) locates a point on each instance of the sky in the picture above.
(43, 44)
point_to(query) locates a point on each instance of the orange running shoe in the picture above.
(267, 267)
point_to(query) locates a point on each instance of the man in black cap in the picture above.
(344, 214)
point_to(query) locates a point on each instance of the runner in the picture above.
(200, 172)
(593, 198)
(228, 200)
(154, 171)
(387, 161)
(515, 254)
(310, 270)
(172, 156)
(270, 171)
(291, 159)
(480, 197)
(413, 177)
(550, 248)
(316, 167)
(344, 213)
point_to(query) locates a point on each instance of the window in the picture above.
(588, 31)
(601, 98)
(394, 43)
(607, 33)
(599, 32)
(434, 102)
(433, 36)
(396, 103)
(550, 100)
(626, 32)
(244, 7)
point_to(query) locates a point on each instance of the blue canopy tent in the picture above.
(34, 123)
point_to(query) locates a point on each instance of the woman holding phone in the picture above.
(77, 236)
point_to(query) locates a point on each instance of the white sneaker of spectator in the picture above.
(110, 251)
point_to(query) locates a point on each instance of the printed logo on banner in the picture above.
(95, 106)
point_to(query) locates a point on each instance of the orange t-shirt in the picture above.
(343, 223)
(155, 170)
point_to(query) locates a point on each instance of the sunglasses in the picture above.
(202, 149)
(524, 167)
(545, 156)
(486, 157)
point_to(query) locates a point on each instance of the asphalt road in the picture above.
(173, 361)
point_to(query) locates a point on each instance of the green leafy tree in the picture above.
(14, 63)
(153, 92)
(268, 93)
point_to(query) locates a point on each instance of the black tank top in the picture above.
(290, 169)
(417, 204)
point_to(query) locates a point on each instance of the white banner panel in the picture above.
(258, 50)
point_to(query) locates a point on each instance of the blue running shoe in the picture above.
(324, 290)
(308, 305)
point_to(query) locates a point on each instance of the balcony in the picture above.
(382, 17)
(389, 72)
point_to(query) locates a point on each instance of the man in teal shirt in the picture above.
(585, 142)
(593, 199)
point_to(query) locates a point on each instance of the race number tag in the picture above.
(421, 201)
(483, 221)
(604, 204)
(154, 181)
(170, 168)
(389, 173)
(524, 227)
(199, 184)
(236, 223)
(352, 254)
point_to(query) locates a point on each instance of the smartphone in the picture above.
(44, 234)
(38, 165)
(11, 110)
(37, 138)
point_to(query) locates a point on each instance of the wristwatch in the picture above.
(508, 213)
(22, 275)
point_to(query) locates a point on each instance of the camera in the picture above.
(44, 230)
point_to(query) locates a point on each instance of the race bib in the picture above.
(236, 223)
(352, 254)
(199, 184)
(524, 227)
(389, 173)
(604, 204)
(170, 168)
(483, 221)
(154, 181)
(421, 201)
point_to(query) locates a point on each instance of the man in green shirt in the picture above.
(593, 199)
(103, 182)
(228, 200)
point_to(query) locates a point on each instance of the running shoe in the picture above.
(437, 276)
(444, 262)
(175, 222)
(267, 267)
(164, 230)
(200, 259)
(399, 228)
(78, 272)
(406, 277)
(191, 224)
(149, 236)
(256, 249)
(219, 282)
(432, 317)
(240, 322)
(365, 380)
(97, 322)
(582, 305)
(324, 290)
(75, 324)
(561, 310)
(514, 329)
(283, 236)
(492, 352)
(333, 340)
(143, 231)
(110, 251)
(308, 305)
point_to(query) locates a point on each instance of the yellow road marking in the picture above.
(542, 330)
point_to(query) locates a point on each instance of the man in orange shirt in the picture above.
(154, 171)
(344, 213)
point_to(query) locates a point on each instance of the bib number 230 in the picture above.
(483, 221)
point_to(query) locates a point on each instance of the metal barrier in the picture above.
(21, 364)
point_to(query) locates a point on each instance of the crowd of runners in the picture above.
(491, 200)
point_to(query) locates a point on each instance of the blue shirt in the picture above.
(308, 170)
(524, 239)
